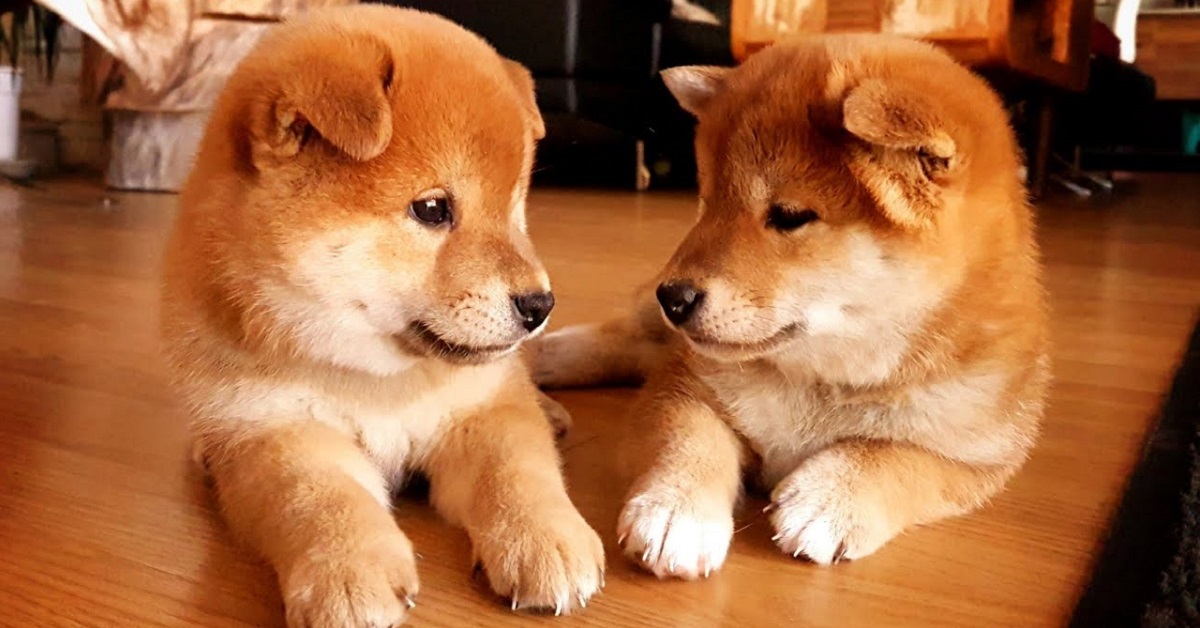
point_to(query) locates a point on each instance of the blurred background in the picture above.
(122, 87)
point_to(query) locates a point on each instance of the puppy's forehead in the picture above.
(774, 121)
(458, 121)
(445, 85)
(451, 88)
(793, 89)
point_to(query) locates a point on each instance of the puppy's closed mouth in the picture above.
(435, 345)
(708, 344)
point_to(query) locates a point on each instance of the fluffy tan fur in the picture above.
(871, 336)
(327, 342)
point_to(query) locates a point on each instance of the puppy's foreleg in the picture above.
(847, 501)
(496, 474)
(678, 519)
(310, 502)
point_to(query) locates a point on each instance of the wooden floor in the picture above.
(104, 523)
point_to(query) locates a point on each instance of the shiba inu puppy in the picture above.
(347, 286)
(857, 313)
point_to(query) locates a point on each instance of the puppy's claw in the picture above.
(769, 507)
(582, 601)
(558, 608)
(796, 554)
(410, 602)
(840, 553)
(621, 539)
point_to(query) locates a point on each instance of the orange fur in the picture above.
(328, 342)
(881, 358)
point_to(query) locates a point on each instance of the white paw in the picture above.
(824, 511)
(680, 537)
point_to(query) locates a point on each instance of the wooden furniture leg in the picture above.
(1040, 162)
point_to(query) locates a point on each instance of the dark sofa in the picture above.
(609, 120)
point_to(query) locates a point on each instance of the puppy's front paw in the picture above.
(374, 587)
(826, 511)
(555, 561)
(670, 535)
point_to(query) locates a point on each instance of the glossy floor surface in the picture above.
(103, 522)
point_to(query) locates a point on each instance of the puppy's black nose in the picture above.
(533, 308)
(678, 299)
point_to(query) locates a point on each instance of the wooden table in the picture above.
(1168, 48)
(1044, 40)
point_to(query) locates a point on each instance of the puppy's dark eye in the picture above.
(432, 211)
(785, 219)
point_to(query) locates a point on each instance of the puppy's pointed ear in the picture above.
(695, 85)
(912, 153)
(523, 80)
(337, 92)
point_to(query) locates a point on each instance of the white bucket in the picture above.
(10, 112)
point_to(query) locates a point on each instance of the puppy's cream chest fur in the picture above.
(784, 421)
(399, 425)
(396, 419)
(788, 418)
